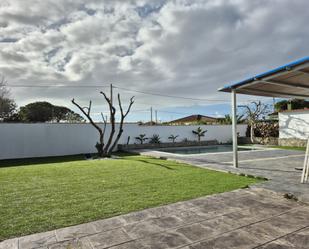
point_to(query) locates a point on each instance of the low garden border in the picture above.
(124, 147)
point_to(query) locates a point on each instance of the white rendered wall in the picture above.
(294, 124)
(43, 139)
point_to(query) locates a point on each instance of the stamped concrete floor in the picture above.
(247, 218)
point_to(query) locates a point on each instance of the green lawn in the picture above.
(290, 148)
(43, 194)
(280, 147)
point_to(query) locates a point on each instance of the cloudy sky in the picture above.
(182, 48)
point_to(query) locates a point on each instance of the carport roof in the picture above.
(290, 80)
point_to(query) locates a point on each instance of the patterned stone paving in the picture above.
(247, 218)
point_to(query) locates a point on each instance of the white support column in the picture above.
(305, 173)
(234, 128)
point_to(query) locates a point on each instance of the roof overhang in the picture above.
(290, 80)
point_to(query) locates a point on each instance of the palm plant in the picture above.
(199, 132)
(155, 139)
(173, 137)
(141, 138)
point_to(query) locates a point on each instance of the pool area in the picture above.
(205, 149)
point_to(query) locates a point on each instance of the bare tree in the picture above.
(7, 105)
(253, 112)
(4, 92)
(105, 150)
(122, 118)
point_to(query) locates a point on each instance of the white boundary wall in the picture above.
(294, 124)
(43, 139)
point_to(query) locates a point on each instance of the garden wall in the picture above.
(43, 139)
(293, 127)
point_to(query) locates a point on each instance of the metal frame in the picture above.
(294, 66)
(303, 72)
(268, 79)
(276, 94)
(280, 83)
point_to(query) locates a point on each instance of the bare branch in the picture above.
(103, 118)
(112, 111)
(105, 123)
(107, 149)
(4, 92)
(123, 116)
(89, 108)
(87, 114)
(254, 113)
(130, 105)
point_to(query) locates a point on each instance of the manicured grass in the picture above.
(43, 194)
(280, 147)
(289, 148)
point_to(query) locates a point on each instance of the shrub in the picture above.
(265, 129)
(141, 138)
(173, 138)
(155, 139)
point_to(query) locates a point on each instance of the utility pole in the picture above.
(150, 115)
(111, 97)
(111, 89)
(156, 113)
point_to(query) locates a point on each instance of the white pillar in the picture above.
(304, 176)
(234, 128)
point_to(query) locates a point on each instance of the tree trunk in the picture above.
(100, 145)
(117, 138)
(252, 133)
(106, 150)
(99, 148)
(123, 116)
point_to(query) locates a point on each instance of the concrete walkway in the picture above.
(247, 218)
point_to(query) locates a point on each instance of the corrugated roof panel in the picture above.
(291, 77)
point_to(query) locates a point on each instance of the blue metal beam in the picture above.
(285, 67)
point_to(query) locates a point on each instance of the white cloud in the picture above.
(173, 47)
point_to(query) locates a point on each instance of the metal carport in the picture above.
(290, 80)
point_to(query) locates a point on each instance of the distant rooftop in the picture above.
(194, 118)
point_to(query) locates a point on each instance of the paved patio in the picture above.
(247, 218)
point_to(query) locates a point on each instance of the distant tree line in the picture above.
(43, 111)
(292, 104)
(7, 104)
(40, 111)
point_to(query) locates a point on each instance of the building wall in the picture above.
(294, 125)
(43, 139)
